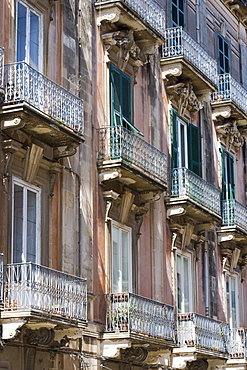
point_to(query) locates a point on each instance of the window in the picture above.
(184, 284)
(232, 301)
(121, 259)
(228, 186)
(177, 13)
(185, 144)
(223, 55)
(28, 40)
(25, 221)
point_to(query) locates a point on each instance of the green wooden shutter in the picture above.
(120, 97)
(174, 138)
(194, 149)
(228, 185)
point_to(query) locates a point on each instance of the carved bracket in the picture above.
(109, 196)
(229, 135)
(134, 354)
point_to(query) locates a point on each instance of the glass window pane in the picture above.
(186, 295)
(115, 260)
(18, 225)
(34, 40)
(21, 33)
(31, 226)
(125, 262)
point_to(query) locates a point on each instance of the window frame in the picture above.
(228, 298)
(188, 257)
(178, 11)
(227, 175)
(26, 186)
(39, 14)
(128, 230)
(223, 70)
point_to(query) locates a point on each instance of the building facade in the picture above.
(123, 184)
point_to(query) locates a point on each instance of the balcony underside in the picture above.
(37, 318)
(233, 235)
(39, 125)
(179, 66)
(229, 108)
(123, 16)
(127, 173)
(136, 339)
(185, 206)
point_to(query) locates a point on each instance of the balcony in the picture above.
(46, 110)
(205, 335)
(230, 99)
(238, 343)
(193, 196)
(139, 165)
(182, 55)
(41, 294)
(145, 17)
(131, 316)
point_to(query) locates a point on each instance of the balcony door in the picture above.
(178, 8)
(185, 142)
(28, 36)
(25, 222)
(184, 283)
(121, 258)
(232, 301)
(223, 55)
(228, 185)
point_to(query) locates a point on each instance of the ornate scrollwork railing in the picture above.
(149, 10)
(22, 83)
(234, 214)
(186, 183)
(238, 343)
(203, 332)
(32, 287)
(230, 89)
(136, 314)
(179, 43)
(117, 142)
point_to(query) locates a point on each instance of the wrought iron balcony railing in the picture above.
(179, 43)
(22, 83)
(204, 333)
(1, 66)
(238, 343)
(118, 143)
(37, 289)
(149, 10)
(234, 214)
(135, 314)
(230, 89)
(186, 184)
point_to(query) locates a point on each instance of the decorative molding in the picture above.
(168, 70)
(107, 175)
(149, 197)
(126, 204)
(64, 151)
(109, 196)
(221, 112)
(139, 214)
(176, 211)
(43, 336)
(108, 15)
(229, 135)
(183, 94)
(127, 48)
(187, 235)
(13, 124)
(134, 354)
(33, 159)
(29, 356)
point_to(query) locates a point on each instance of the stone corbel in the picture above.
(33, 159)
(149, 197)
(226, 256)
(224, 112)
(126, 204)
(168, 70)
(64, 151)
(53, 171)
(226, 237)
(13, 124)
(202, 228)
(229, 134)
(243, 264)
(42, 336)
(10, 329)
(109, 196)
(139, 214)
(107, 175)
(111, 349)
(175, 211)
(187, 235)
(108, 15)
(10, 147)
(234, 258)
